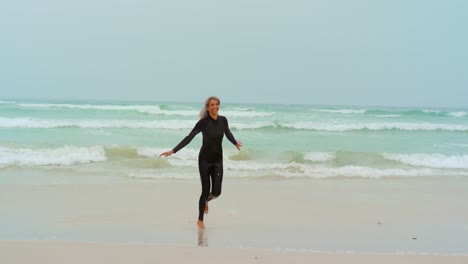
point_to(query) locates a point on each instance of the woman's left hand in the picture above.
(239, 144)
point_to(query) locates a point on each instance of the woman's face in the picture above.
(213, 107)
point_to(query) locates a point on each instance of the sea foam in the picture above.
(95, 123)
(319, 156)
(457, 114)
(148, 109)
(67, 155)
(342, 127)
(28, 122)
(342, 111)
(431, 160)
(105, 123)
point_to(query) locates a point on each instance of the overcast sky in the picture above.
(348, 52)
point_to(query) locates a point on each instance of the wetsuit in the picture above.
(210, 158)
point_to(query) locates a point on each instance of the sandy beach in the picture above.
(14, 252)
(394, 220)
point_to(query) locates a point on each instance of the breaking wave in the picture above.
(188, 124)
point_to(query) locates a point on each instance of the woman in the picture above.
(210, 158)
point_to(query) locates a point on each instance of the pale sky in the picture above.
(348, 52)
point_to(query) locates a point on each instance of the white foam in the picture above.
(147, 109)
(431, 160)
(296, 170)
(243, 108)
(386, 116)
(364, 172)
(336, 127)
(254, 125)
(140, 108)
(150, 124)
(459, 145)
(174, 113)
(188, 158)
(342, 111)
(221, 112)
(67, 155)
(244, 113)
(457, 114)
(189, 124)
(319, 156)
(352, 171)
(98, 132)
(51, 123)
(253, 166)
(185, 167)
(431, 111)
(7, 102)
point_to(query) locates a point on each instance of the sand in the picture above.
(51, 252)
(254, 221)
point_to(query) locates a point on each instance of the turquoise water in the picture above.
(124, 140)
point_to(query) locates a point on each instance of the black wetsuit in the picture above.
(210, 158)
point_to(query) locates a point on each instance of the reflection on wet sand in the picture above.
(202, 238)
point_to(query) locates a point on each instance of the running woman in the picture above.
(210, 158)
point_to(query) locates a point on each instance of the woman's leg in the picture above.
(204, 170)
(216, 173)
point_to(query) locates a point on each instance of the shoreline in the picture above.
(51, 252)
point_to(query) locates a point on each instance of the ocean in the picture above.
(112, 141)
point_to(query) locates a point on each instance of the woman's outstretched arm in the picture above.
(230, 136)
(197, 129)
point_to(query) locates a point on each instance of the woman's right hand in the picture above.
(167, 153)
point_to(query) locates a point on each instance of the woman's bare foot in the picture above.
(200, 224)
(206, 208)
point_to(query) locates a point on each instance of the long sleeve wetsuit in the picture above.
(210, 157)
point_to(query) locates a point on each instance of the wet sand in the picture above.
(355, 216)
